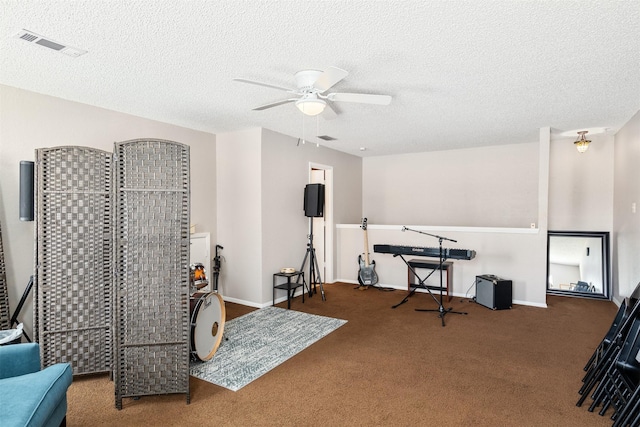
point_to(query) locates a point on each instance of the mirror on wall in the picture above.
(578, 264)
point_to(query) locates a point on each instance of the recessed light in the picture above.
(363, 149)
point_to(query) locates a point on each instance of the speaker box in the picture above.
(493, 292)
(314, 200)
(26, 190)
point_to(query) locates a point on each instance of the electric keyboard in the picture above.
(428, 252)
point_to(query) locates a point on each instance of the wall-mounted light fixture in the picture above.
(582, 144)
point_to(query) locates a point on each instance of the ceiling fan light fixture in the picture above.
(311, 105)
(582, 144)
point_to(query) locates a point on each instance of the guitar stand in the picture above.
(314, 270)
(217, 265)
(14, 319)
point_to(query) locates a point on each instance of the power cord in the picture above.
(466, 294)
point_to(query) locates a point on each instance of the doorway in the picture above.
(323, 226)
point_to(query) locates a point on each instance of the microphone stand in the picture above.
(440, 310)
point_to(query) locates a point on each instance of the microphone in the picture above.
(404, 228)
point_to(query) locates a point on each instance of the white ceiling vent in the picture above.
(32, 37)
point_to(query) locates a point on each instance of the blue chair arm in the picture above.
(19, 359)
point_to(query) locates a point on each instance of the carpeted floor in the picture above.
(518, 367)
(258, 342)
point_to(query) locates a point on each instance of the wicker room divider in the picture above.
(112, 263)
(5, 315)
(74, 258)
(152, 268)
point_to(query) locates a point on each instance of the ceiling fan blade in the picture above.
(329, 112)
(363, 98)
(274, 104)
(330, 77)
(253, 82)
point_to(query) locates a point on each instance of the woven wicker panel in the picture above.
(5, 316)
(74, 251)
(152, 263)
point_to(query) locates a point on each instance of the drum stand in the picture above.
(314, 270)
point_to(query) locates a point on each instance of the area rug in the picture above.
(258, 342)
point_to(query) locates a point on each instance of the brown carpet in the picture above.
(518, 367)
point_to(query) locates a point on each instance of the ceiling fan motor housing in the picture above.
(306, 78)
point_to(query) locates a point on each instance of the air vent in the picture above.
(32, 37)
(327, 137)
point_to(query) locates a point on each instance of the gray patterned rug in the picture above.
(260, 341)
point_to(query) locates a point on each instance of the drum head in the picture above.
(207, 325)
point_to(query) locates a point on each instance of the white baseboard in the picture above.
(455, 294)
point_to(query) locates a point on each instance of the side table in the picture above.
(289, 286)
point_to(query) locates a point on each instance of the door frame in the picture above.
(329, 248)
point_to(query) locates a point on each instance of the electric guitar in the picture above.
(367, 275)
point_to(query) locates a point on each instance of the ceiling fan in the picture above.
(311, 97)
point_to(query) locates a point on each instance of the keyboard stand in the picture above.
(413, 287)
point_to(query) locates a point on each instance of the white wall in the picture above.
(261, 180)
(581, 185)
(478, 187)
(500, 188)
(626, 223)
(29, 121)
(239, 226)
(511, 253)
(563, 274)
(485, 198)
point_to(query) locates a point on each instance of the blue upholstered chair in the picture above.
(30, 396)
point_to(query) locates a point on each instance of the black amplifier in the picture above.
(493, 292)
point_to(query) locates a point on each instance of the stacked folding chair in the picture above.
(612, 378)
(630, 414)
(611, 335)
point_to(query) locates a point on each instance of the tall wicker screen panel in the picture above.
(5, 316)
(74, 258)
(152, 268)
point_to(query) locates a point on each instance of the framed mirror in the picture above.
(578, 263)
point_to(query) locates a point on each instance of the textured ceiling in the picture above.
(461, 73)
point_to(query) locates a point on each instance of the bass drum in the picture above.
(207, 324)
